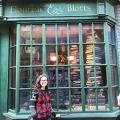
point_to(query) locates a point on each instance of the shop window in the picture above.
(75, 57)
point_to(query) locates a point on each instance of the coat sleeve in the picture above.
(33, 100)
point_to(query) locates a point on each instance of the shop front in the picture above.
(74, 43)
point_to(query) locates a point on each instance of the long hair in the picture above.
(37, 83)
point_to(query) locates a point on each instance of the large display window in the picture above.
(79, 58)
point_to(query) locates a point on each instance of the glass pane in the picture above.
(64, 100)
(50, 34)
(99, 54)
(62, 54)
(13, 36)
(12, 77)
(51, 72)
(63, 76)
(13, 56)
(62, 33)
(95, 76)
(73, 34)
(37, 55)
(90, 99)
(111, 35)
(76, 99)
(113, 71)
(25, 34)
(75, 76)
(37, 34)
(24, 77)
(88, 54)
(51, 55)
(86, 33)
(102, 99)
(115, 93)
(25, 55)
(53, 95)
(12, 99)
(98, 33)
(112, 54)
(24, 100)
(74, 57)
(36, 71)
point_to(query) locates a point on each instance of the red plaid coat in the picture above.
(41, 100)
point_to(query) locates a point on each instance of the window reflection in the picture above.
(74, 57)
(13, 56)
(25, 55)
(51, 55)
(25, 34)
(63, 76)
(73, 34)
(98, 33)
(37, 55)
(12, 99)
(37, 34)
(62, 54)
(50, 33)
(24, 77)
(24, 100)
(99, 54)
(53, 95)
(51, 72)
(36, 71)
(113, 71)
(13, 36)
(62, 33)
(12, 77)
(115, 93)
(64, 100)
(111, 34)
(112, 54)
(86, 28)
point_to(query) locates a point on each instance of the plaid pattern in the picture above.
(41, 100)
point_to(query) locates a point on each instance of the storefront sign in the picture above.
(51, 9)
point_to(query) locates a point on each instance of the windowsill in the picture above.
(71, 115)
(14, 116)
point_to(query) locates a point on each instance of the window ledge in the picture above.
(13, 116)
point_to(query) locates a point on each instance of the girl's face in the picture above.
(43, 81)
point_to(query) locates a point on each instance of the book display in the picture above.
(93, 55)
(75, 70)
(76, 100)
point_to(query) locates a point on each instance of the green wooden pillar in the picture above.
(4, 46)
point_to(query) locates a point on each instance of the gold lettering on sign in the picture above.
(15, 9)
(78, 8)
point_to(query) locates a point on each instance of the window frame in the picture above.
(107, 64)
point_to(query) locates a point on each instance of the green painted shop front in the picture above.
(74, 43)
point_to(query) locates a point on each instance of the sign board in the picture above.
(51, 9)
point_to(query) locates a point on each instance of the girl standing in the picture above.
(40, 105)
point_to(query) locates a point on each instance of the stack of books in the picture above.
(76, 99)
(75, 70)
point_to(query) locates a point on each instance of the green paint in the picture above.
(4, 46)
